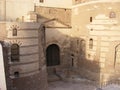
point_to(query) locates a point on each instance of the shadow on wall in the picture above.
(73, 59)
(82, 63)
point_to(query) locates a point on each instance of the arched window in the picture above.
(82, 48)
(91, 19)
(112, 14)
(14, 52)
(117, 56)
(14, 31)
(16, 74)
(82, 45)
(90, 43)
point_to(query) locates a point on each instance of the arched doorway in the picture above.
(53, 55)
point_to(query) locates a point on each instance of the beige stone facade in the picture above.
(104, 31)
(62, 14)
(80, 40)
(30, 68)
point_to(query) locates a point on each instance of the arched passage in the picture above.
(53, 55)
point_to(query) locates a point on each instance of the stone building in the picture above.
(98, 26)
(25, 56)
(78, 39)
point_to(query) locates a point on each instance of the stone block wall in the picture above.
(3, 31)
(80, 1)
(101, 24)
(83, 66)
(109, 46)
(62, 14)
(59, 36)
(31, 71)
(32, 82)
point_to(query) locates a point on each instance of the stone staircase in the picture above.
(55, 74)
(52, 75)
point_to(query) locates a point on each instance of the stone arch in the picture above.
(15, 50)
(53, 55)
(117, 55)
(90, 43)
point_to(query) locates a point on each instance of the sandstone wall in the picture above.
(104, 30)
(2, 10)
(51, 3)
(31, 67)
(60, 37)
(3, 31)
(62, 14)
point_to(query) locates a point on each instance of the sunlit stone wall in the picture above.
(30, 71)
(99, 21)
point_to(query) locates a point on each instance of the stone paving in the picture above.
(112, 87)
(61, 85)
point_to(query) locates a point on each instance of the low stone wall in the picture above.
(34, 82)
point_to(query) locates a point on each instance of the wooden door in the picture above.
(53, 55)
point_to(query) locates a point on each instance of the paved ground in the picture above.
(61, 85)
(112, 87)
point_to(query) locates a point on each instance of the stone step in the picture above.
(51, 70)
(53, 77)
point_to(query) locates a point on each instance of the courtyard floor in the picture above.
(61, 85)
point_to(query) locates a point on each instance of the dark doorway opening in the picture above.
(53, 55)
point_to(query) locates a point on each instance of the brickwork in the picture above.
(31, 71)
(89, 49)
(33, 82)
(61, 14)
(104, 31)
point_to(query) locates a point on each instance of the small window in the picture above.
(15, 52)
(91, 43)
(16, 74)
(112, 15)
(41, 1)
(72, 55)
(14, 31)
(90, 19)
(82, 46)
(77, 42)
